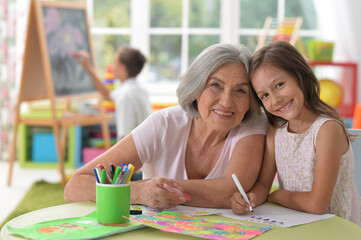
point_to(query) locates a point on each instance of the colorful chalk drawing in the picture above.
(204, 228)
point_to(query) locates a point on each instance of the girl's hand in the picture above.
(239, 205)
(155, 195)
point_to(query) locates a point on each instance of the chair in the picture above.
(356, 147)
(138, 175)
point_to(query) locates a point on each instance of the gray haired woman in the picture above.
(217, 130)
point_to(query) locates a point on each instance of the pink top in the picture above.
(296, 159)
(161, 142)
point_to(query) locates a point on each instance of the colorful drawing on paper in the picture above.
(72, 228)
(186, 210)
(211, 229)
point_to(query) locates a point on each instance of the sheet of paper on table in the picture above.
(277, 216)
(266, 214)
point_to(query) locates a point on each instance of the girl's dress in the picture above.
(296, 159)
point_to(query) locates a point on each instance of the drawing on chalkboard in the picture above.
(66, 32)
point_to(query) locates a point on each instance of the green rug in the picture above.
(41, 195)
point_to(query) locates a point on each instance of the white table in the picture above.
(332, 228)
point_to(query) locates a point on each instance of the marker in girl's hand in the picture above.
(240, 188)
(172, 189)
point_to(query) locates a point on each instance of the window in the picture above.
(171, 33)
(110, 27)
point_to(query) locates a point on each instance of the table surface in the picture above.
(332, 228)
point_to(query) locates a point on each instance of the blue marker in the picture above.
(96, 175)
(123, 165)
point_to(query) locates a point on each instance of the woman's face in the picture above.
(279, 92)
(225, 98)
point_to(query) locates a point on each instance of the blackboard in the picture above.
(66, 31)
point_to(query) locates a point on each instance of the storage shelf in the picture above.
(78, 137)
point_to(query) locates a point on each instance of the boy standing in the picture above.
(132, 104)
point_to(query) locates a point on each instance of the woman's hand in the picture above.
(153, 194)
(239, 205)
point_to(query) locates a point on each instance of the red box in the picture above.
(91, 153)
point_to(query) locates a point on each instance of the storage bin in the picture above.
(39, 143)
(91, 153)
(43, 149)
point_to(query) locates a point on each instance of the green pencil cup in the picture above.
(112, 203)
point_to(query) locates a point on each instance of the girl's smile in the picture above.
(285, 107)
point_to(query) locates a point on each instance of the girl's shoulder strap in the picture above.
(321, 120)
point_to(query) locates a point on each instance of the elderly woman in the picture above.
(217, 130)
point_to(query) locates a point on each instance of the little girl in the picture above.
(307, 143)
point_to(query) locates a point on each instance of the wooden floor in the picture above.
(22, 179)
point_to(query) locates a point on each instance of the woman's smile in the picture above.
(223, 113)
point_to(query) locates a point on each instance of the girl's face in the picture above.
(225, 98)
(279, 92)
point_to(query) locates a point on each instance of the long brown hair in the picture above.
(284, 56)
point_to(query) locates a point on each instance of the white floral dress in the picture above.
(296, 158)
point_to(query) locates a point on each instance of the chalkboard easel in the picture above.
(55, 30)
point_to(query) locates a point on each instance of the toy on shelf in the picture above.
(330, 92)
(109, 83)
(320, 51)
(96, 139)
(286, 30)
(95, 145)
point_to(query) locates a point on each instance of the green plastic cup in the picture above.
(113, 203)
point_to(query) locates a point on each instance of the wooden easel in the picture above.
(37, 84)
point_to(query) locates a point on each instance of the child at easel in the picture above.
(307, 143)
(132, 103)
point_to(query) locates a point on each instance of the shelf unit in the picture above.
(78, 137)
(348, 83)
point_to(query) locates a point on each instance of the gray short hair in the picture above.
(193, 81)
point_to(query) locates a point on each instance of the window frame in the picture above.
(140, 32)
